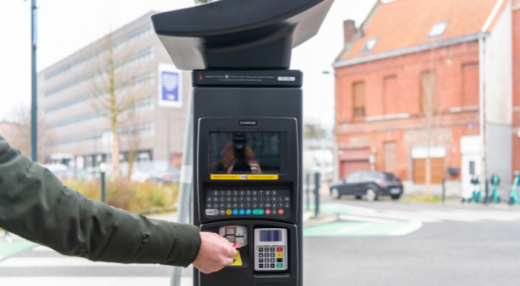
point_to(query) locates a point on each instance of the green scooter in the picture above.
(495, 181)
(513, 198)
(477, 191)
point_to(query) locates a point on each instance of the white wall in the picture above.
(499, 70)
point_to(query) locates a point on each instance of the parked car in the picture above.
(165, 176)
(369, 184)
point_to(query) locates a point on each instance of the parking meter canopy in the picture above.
(239, 34)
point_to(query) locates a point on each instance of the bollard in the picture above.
(103, 168)
(316, 194)
(308, 179)
(486, 195)
(443, 189)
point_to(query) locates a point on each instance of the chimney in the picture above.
(349, 30)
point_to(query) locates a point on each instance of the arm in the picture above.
(35, 205)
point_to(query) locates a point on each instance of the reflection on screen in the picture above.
(244, 153)
(270, 235)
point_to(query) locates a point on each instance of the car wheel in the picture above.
(396, 197)
(358, 197)
(335, 193)
(371, 195)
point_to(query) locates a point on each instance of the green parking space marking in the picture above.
(348, 228)
(8, 249)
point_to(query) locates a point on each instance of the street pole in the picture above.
(168, 140)
(316, 194)
(185, 182)
(34, 97)
(103, 168)
(308, 177)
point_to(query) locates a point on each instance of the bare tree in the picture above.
(115, 88)
(21, 116)
(428, 105)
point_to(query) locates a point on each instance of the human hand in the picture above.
(215, 253)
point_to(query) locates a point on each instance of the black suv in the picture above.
(368, 184)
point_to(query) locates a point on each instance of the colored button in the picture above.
(228, 212)
(268, 211)
(279, 249)
(241, 211)
(248, 212)
(279, 255)
(258, 212)
(279, 265)
(235, 211)
(281, 211)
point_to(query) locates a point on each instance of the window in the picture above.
(390, 95)
(359, 100)
(370, 44)
(428, 92)
(470, 85)
(438, 29)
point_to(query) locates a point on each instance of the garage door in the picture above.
(349, 167)
(419, 170)
(353, 160)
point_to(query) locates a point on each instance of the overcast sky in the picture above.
(65, 26)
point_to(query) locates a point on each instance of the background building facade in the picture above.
(415, 83)
(72, 90)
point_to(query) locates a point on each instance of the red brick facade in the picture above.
(393, 104)
(516, 85)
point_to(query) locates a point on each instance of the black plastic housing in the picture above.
(239, 34)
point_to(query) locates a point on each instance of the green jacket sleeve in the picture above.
(35, 205)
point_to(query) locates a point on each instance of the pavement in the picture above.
(358, 243)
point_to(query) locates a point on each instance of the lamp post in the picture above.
(103, 169)
(34, 82)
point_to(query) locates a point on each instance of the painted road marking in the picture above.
(88, 281)
(411, 227)
(41, 248)
(8, 249)
(360, 221)
(63, 262)
(352, 228)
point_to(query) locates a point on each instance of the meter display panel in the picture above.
(244, 152)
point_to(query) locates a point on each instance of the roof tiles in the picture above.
(406, 23)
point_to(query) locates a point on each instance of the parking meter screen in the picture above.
(244, 153)
(270, 235)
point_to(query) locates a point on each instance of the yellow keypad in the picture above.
(228, 212)
(279, 255)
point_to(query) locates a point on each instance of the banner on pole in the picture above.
(170, 86)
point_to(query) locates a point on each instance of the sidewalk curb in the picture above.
(323, 218)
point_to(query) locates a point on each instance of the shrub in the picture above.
(131, 196)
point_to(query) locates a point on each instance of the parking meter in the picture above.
(247, 133)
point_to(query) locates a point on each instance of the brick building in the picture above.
(410, 84)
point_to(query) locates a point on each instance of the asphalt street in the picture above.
(379, 243)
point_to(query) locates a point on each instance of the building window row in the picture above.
(144, 129)
(68, 103)
(144, 104)
(132, 35)
(140, 56)
(74, 120)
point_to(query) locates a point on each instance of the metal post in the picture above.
(486, 197)
(316, 194)
(185, 184)
(168, 155)
(34, 82)
(443, 190)
(103, 188)
(308, 179)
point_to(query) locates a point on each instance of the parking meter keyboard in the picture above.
(248, 203)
